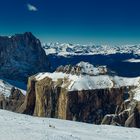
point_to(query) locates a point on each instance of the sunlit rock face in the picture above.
(74, 96)
(21, 56)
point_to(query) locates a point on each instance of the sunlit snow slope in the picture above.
(21, 127)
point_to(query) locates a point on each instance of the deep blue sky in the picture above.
(78, 21)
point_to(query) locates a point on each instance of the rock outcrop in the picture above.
(128, 113)
(13, 102)
(83, 98)
(83, 68)
(21, 56)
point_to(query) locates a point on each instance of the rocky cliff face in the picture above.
(21, 56)
(128, 113)
(75, 97)
(46, 98)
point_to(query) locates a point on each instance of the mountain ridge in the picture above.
(65, 49)
(21, 55)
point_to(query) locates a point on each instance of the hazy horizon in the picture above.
(97, 41)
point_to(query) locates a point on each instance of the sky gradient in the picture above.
(73, 21)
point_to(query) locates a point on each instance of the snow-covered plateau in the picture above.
(86, 82)
(22, 127)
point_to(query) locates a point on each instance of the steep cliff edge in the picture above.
(128, 113)
(75, 97)
(21, 55)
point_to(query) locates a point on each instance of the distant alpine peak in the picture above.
(87, 68)
(65, 49)
(83, 68)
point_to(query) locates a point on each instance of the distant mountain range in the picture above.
(72, 49)
(122, 60)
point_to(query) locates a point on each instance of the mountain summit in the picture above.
(21, 55)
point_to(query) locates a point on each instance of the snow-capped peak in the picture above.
(83, 68)
(87, 68)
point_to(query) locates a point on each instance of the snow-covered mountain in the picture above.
(22, 127)
(12, 94)
(7, 85)
(76, 49)
(83, 68)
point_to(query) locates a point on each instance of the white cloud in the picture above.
(31, 7)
